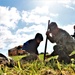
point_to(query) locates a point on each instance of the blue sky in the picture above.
(20, 20)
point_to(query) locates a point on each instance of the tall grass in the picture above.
(39, 68)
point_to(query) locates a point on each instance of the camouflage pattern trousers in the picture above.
(62, 54)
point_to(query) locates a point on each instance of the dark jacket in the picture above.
(31, 46)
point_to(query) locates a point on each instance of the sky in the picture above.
(20, 20)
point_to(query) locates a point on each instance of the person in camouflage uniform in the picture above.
(65, 44)
(6, 61)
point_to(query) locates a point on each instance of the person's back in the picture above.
(31, 45)
(65, 40)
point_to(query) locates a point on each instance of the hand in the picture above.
(47, 33)
(47, 56)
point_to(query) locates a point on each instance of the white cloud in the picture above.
(38, 15)
(29, 32)
(31, 18)
(70, 7)
(56, 2)
(5, 37)
(2, 44)
(64, 1)
(31, 29)
(9, 17)
(41, 10)
(67, 3)
(73, 1)
(47, 2)
(53, 15)
(69, 29)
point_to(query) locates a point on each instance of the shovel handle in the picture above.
(46, 41)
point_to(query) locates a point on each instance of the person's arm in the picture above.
(52, 54)
(47, 56)
(50, 38)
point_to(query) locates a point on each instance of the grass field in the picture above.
(38, 68)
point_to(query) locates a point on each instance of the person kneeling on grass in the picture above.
(65, 44)
(31, 47)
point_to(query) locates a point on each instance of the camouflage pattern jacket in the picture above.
(64, 40)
